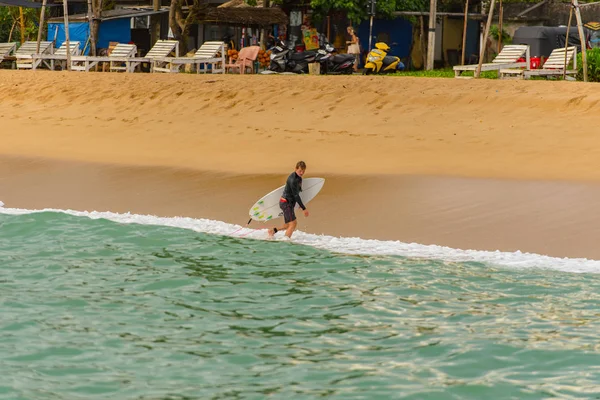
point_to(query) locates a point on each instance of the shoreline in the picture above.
(549, 218)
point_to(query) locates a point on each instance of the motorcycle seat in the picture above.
(340, 58)
(303, 55)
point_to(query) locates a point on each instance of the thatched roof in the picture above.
(238, 12)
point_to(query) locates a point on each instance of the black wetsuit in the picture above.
(291, 196)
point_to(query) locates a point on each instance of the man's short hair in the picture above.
(301, 165)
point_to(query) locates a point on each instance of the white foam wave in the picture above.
(345, 245)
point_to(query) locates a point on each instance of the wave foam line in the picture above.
(344, 245)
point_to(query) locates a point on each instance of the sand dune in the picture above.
(404, 157)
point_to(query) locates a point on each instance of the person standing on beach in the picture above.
(353, 46)
(289, 198)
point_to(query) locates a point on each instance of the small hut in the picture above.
(240, 22)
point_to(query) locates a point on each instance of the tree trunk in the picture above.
(175, 23)
(95, 26)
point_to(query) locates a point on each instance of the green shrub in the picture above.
(495, 34)
(593, 65)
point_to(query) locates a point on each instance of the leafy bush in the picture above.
(444, 73)
(495, 34)
(593, 65)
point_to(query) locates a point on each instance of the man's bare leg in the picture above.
(283, 228)
(291, 228)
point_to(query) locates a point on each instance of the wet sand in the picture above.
(552, 218)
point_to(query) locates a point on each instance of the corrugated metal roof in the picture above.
(20, 3)
(112, 14)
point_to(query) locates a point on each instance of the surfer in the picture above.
(289, 198)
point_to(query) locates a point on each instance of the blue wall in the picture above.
(472, 44)
(399, 32)
(114, 30)
(78, 31)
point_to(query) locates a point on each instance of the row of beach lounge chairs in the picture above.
(162, 57)
(514, 61)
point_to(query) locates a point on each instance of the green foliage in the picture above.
(357, 9)
(593, 65)
(444, 73)
(495, 34)
(9, 17)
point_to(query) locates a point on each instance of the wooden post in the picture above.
(500, 17)
(485, 36)
(41, 27)
(464, 38)
(94, 26)
(91, 35)
(22, 25)
(582, 40)
(155, 23)
(567, 42)
(422, 40)
(370, 31)
(67, 41)
(431, 36)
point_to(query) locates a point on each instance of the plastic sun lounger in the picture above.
(507, 58)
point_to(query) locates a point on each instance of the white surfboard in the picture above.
(267, 207)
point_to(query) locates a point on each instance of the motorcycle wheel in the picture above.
(367, 71)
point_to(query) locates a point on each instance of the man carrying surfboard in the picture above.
(289, 198)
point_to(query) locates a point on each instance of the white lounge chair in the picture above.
(507, 58)
(59, 55)
(121, 56)
(159, 54)
(7, 49)
(553, 66)
(210, 53)
(25, 53)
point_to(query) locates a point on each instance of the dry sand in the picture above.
(480, 164)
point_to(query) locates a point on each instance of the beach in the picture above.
(468, 164)
(452, 252)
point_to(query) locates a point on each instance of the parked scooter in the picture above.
(378, 62)
(298, 62)
(334, 64)
(280, 55)
(284, 60)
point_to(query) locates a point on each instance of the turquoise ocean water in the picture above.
(98, 306)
